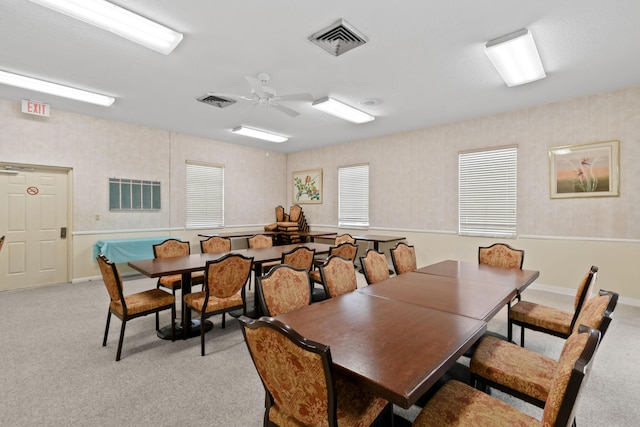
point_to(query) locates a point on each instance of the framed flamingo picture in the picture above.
(307, 186)
(585, 170)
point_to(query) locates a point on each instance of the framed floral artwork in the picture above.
(586, 170)
(307, 186)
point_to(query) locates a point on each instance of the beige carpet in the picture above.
(55, 372)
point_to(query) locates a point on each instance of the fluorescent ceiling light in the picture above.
(516, 58)
(119, 21)
(344, 111)
(260, 134)
(54, 89)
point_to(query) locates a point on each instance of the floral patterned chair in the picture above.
(374, 266)
(300, 257)
(524, 373)
(344, 250)
(403, 257)
(550, 320)
(302, 388)
(281, 216)
(131, 306)
(283, 289)
(170, 248)
(338, 276)
(501, 255)
(344, 238)
(215, 245)
(458, 404)
(224, 290)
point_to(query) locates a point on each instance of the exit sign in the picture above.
(36, 108)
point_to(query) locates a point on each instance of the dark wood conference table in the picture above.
(456, 295)
(185, 265)
(392, 348)
(513, 278)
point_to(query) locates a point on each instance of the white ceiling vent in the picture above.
(216, 100)
(338, 38)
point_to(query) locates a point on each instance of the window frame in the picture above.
(353, 206)
(204, 208)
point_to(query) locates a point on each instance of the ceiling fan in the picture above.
(261, 95)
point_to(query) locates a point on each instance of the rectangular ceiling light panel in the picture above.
(344, 111)
(259, 134)
(119, 21)
(516, 58)
(54, 89)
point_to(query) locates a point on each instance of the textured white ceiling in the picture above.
(424, 61)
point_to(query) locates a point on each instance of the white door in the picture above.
(33, 216)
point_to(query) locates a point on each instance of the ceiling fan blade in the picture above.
(288, 111)
(255, 84)
(295, 97)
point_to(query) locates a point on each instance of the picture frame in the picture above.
(585, 170)
(307, 186)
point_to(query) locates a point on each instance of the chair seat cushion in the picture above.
(271, 227)
(175, 280)
(457, 404)
(356, 407)
(143, 302)
(196, 301)
(542, 316)
(513, 366)
(314, 275)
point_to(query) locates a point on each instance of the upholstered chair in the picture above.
(344, 238)
(283, 289)
(300, 257)
(215, 245)
(302, 388)
(260, 241)
(501, 255)
(374, 266)
(170, 248)
(550, 320)
(458, 404)
(524, 373)
(280, 217)
(134, 305)
(224, 291)
(338, 276)
(346, 250)
(403, 257)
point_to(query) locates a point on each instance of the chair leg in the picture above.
(509, 330)
(124, 324)
(202, 335)
(522, 328)
(173, 323)
(223, 320)
(106, 329)
(157, 320)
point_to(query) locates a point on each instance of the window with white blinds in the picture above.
(488, 192)
(353, 196)
(205, 195)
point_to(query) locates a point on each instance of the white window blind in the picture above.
(488, 192)
(353, 196)
(205, 195)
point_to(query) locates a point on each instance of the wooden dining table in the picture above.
(187, 264)
(394, 349)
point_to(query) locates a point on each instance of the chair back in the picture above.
(283, 357)
(300, 257)
(501, 255)
(280, 215)
(338, 276)
(260, 241)
(226, 276)
(170, 248)
(596, 313)
(344, 238)
(294, 213)
(344, 250)
(284, 289)
(403, 257)
(374, 266)
(112, 280)
(572, 371)
(215, 245)
(583, 293)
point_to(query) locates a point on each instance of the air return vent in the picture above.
(216, 100)
(338, 38)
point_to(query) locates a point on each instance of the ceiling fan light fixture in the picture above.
(342, 110)
(259, 134)
(516, 58)
(37, 85)
(119, 21)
